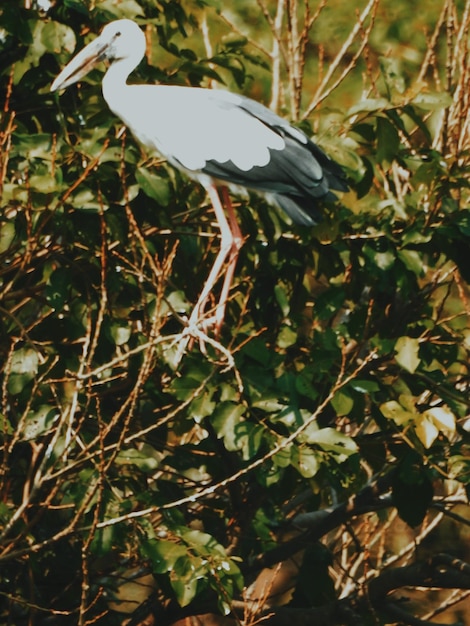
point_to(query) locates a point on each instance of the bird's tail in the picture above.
(301, 210)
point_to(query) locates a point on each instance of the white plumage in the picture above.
(216, 137)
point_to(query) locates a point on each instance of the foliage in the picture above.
(324, 436)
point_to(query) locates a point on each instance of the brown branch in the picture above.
(316, 525)
(441, 571)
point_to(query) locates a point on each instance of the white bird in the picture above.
(218, 138)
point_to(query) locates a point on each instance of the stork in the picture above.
(218, 138)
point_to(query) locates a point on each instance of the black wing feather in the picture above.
(297, 177)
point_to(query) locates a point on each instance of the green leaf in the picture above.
(286, 338)
(412, 491)
(283, 457)
(185, 387)
(25, 361)
(248, 438)
(383, 259)
(332, 441)
(23, 368)
(43, 183)
(36, 146)
(459, 468)
(163, 554)
(426, 430)
(154, 186)
(364, 386)
(305, 461)
(315, 585)
(120, 334)
(123, 9)
(413, 261)
(57, 290)
(369, 105)
(392, 75)
(388, 140)
(407, 349)
(226, 418)
(433, 101)
(304, 383)
(137, 458)
(57, 37)
(184, 586)
(396, 412)
(342, 403)
(39, 422)
(7, 235)
(86, 200)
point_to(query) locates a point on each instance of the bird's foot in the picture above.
(198, 330)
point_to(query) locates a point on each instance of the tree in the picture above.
(314, 462)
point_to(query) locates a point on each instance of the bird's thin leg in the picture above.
(237, 242)
(229, 245)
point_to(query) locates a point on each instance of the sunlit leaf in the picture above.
(443, 418)
(407, 350)
(432, 101)
(368, 105)
(305, 461)
(426, 430)
(396, 412)
(163, 554)
(342, 403)
(225, 420)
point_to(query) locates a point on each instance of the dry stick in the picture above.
(170, 415)
(66, 418)
(5, 147)
(91, 534)
(456, 596)
(342, 380)
(276, 34)
(321, 92)
(430, 55)
(294, 66)
(89, 168)
(408, 551)
(103, 291)
(95, 329)
(441, 136)
(101, 476)
(301, 50)
(276, 57)
(461, 53)
(311, 19)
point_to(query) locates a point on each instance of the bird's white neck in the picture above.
(115, 79)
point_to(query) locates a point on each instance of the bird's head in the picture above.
(121, 40)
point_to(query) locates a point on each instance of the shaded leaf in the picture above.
(154, 186)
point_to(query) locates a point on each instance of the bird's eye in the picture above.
(118, 34)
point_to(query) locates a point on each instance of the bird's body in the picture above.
(268, 155)
(214, 136)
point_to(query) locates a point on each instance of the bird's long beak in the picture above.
(81, 64)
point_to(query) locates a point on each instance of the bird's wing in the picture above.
(194, 126)
(298, 167)
(232, 138)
